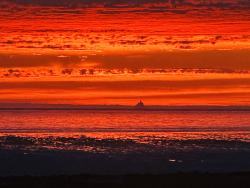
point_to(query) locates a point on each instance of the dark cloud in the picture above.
(131, 3)
(209, 59)
(141, 85)
(87, 72)
(78, 41)
(14, 61)
(88, 3)
(145, 10)
(214, 59)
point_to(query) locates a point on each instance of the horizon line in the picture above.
(127, 107)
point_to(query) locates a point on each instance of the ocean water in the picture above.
(123, 141)
(69, 121)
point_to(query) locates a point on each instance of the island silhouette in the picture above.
(138, 106)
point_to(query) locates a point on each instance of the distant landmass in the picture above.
(139, 106)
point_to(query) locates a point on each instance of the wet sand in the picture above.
(21, 156)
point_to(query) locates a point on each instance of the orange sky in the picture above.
(183, 52)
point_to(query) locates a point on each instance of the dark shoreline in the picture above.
(118, 107)
(216, 109)
(48, 156)
(190, 180)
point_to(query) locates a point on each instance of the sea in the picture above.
(52, 142)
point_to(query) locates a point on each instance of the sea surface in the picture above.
(109, 142)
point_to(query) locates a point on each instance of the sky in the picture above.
(164, 52)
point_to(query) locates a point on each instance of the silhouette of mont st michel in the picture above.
(140, 105)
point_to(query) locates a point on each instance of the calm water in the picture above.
(122, 121)
(224, 125)
(123, 141)
(160, 122)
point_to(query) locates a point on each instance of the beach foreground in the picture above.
(52, 143)
(191, 180)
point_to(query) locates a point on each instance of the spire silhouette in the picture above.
(140, 104)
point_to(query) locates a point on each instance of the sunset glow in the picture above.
(181, 52)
